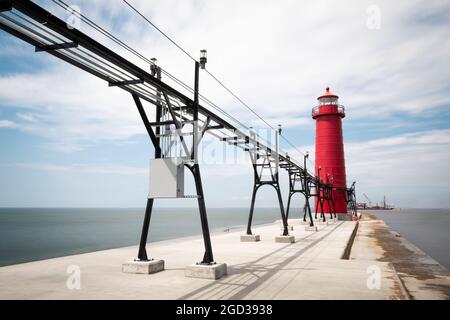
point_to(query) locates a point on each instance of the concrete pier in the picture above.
(213, 272)
(250, 237)
(421, 276)
(143, 267)
(314, 267)
(285, 239)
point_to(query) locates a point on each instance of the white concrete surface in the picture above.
(310, 268)
(421, 277)
(143, 267)
(285, 239)
(250, 238)
(211, 272)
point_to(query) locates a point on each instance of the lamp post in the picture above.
(319, 192)
(208, 257)
(198, 66)
(156, 72)
(306, 187)
(277, 148)
(306, 156)
(153, 66)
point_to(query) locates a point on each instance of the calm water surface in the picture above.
(427, 229)
(28, 234)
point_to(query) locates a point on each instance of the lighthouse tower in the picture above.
(330, 161)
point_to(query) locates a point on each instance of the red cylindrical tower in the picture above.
(330, 161)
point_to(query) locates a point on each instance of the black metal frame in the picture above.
(46, 32)
(194, 168)
(265, 160)
(299, 175)
(257, 183)
(328, 197)
(351, 199)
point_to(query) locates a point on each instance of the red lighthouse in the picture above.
(330, 161)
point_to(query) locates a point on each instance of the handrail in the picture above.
(316, 110)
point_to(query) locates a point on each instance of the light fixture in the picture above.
(153, 66)
(203, 58)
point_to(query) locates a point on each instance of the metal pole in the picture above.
(329, 200)
(158, 114)
(305, 185)
(283, 216)
(142, 254)
(288, 205)
(322, 210)
(317, 196)
(304, 210)
(311, 221)
(329, 196)
(277, 186)
(316, 207)
(208, 256)
(332, 202)
(252, 208)
(277, 148)
(196, 85)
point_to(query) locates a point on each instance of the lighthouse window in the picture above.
(328, 101)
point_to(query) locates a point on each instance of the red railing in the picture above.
(316, 110)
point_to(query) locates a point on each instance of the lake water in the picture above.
(28, 234)
(427, 229)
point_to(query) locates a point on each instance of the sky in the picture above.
(68, 140)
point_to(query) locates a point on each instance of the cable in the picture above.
(190, 56)
(63, 5)
(95, 26)
(296, 149)
(98, 68)
(239, 99)
(211, 75)
(154, 26)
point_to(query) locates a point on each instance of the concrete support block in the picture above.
(250, 237)
(204, 271)
(313, 228)
(285, 239)
(143, 267)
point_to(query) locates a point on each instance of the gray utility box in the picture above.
(166, 178)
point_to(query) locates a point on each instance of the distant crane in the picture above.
(368, 200)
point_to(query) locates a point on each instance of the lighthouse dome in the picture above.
(328, 97)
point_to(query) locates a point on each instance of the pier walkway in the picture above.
(310, 268)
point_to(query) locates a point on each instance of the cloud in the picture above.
(81, 168)
(414, 159)
(286, 121)
(277, 56)
(7, 124)
(411, 169)
(28, 117)
(78, 110)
